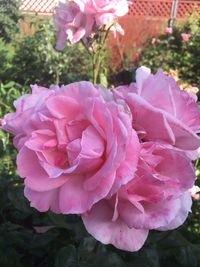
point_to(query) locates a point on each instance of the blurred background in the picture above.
(159, 34)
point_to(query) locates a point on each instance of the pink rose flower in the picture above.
(185, 37)
(161, 111)
(104, 11)
(2, 122)
(169, 30)
(76, 146)
(156, 198)
(71, 24)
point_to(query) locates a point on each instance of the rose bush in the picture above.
(76, 146)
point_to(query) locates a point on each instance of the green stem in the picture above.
(196, 163)
(85, 46)
(95, 74)
(97, 56)
(57, 77)
(96, 65)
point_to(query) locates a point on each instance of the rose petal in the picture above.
(43, 201)
(99, 224)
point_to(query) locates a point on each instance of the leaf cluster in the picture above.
(33, 59)
(9, 17)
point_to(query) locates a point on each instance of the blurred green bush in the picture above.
(33, 59)
(9, 17)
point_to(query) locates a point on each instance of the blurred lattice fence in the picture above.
(139, 8)
(162, 8)
(38, 6)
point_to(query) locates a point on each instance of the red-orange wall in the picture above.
(137, 32)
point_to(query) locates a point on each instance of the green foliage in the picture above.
(33, 59)
(8, 93)
(6, 57)
(9, 16)
(170, 52)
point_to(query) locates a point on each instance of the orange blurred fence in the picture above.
(162, 8)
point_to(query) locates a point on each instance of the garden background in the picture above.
(27, 56)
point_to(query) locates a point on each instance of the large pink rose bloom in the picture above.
(156, 198)
(76, 146)
(161, 111)
(71, 24)
(104, 11)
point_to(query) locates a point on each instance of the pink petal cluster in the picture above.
(167, 121)
(157, 100)
(79, 18)
(122, 159)
(169, 30)
(156, 198)
(68, 155)
(104, 11)
(185, 37)
(71, 24)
